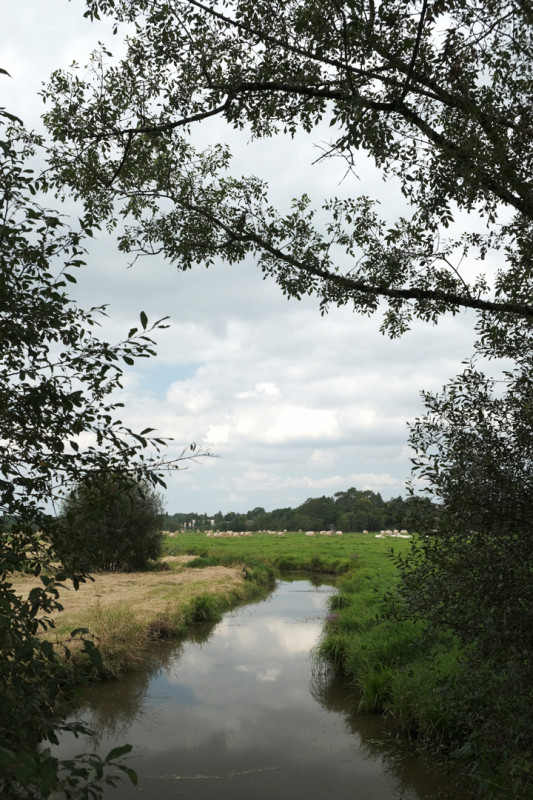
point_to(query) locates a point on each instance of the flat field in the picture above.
(294, 550)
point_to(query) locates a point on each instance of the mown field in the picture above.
(125, 612)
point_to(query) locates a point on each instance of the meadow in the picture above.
(292, 550)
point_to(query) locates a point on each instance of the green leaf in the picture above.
(132, 775)
(144, 320)
(118, 752)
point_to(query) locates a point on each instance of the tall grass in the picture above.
(397, 667)
(124, 624)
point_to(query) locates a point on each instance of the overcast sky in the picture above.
(295, 405)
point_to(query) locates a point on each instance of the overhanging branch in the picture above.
(350, 286)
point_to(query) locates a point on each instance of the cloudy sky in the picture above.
(294, 405)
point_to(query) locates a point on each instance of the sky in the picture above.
(292, 405)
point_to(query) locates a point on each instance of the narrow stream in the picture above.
(237, 711)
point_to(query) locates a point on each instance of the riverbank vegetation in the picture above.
(422, 678)
(123, 613)
(419, 675)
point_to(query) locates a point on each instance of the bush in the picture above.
(110, 523)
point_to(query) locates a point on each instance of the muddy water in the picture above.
(238, 711)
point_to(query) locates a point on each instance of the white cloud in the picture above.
(294, 403)
(268, 675)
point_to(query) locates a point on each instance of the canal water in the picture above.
(239, 710)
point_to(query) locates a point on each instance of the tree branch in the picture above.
(170, 126)
(416, 48)
(352, 286)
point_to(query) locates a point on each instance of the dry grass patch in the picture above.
(124, 610)
(146, 594)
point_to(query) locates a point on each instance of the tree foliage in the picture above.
(470, 572)
(111, 523)
(58, 423)
(437, 93)
(353, 510)
(473, 570)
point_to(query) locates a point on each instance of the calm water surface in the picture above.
(238, 711)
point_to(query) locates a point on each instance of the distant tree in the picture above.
(180, 521)
(318, 513)
(233, 521)
(110, 522)
(395, 512)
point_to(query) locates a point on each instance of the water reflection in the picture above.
(229, 713)
(417, 775)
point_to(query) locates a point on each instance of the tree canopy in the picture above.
(352, 510)
(436, 92)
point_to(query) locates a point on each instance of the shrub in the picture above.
(110, 523)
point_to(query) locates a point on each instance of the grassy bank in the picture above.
(397, 669)
(423, 681)
(125, 612)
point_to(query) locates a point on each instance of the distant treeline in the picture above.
(352, 510)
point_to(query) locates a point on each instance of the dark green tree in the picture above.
(470, 571)
(110, 522)
(474, 567)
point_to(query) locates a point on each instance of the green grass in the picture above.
(397, 669)
(292, 552)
